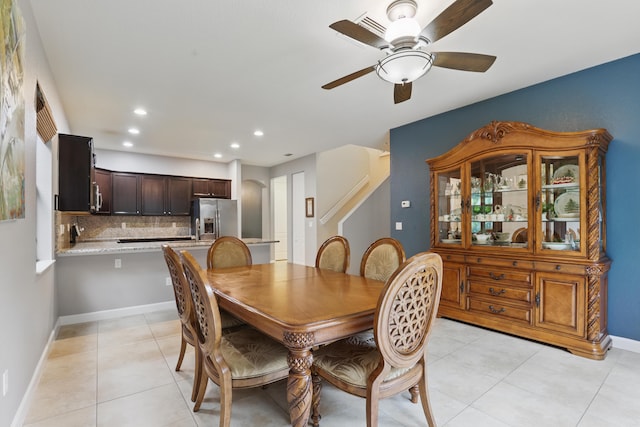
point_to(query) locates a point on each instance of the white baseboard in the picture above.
(626, 344)
(21, 413)
(115, 313)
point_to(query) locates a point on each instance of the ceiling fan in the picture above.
(405, 43)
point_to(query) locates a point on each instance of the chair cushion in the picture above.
(352, 360)
(250, 353)
(382, 262)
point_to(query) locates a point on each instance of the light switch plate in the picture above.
(398, 226)
(405, 203)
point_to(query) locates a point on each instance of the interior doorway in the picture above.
(280, 217)
(298, 241)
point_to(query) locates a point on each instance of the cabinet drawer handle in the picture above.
(494, 277)
(497, 293)
(493, 310)
(558, 267)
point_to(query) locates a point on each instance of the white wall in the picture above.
(366, 223)
(307, 165)
(27, 299)
(123, 161)
(341, 171)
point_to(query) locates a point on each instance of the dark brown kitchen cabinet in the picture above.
(103, 191)
(153, 193)
(125, 193)
(75, 173)
(165, 195)
(178, 196)
(219, 188)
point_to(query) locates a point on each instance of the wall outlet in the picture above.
(124, 225)
(405, 204)
(398, 226)
(173, 224)
(118, 263)
(5, 382)
(167, 281)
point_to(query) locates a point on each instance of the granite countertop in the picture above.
(100, 247)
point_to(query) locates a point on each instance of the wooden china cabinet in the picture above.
(518, 216)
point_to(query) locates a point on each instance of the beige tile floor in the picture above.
(118, 373)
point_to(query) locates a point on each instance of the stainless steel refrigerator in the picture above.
(212, 218)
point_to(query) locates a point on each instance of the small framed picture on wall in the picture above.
(309, 208)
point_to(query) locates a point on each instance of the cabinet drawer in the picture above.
(500, 291)
(499, 274)
(498, 262)
(452, 257)
(560, 268)
(498, 308)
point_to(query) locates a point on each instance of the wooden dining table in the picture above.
(300, 306)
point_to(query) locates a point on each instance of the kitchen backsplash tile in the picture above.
(99, 227)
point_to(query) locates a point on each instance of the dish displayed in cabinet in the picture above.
(567, 205)
(557, 246)
(567, 174)
(451, 240)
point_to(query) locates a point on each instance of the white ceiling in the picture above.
(210, 72)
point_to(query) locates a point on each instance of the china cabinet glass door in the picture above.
(499, 203)
(449, 207)
(560, 201)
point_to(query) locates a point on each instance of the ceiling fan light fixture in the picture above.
(402, 29)
(404, 66)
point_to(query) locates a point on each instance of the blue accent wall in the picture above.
(606, 96)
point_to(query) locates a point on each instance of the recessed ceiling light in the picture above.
(127, 144)
(235, 145)
(258, 133)
(134, 131)
(140, 111)
(217, 155)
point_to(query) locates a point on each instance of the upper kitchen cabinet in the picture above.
(518, 215)
(75, 173)
(103, 191)
(178, 195)
(125, 193)
(218, 188)
(165, 195)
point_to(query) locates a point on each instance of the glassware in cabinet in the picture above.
(449, 206)
(498, 201)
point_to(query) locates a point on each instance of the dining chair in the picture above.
(397, 359)
(381, 259)
(334, 254)
(185, 312)
(228, 251)
(242, 358)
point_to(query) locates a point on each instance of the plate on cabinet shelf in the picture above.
(567, 205)
(556, 246)
(451, 240)
(566, 219)
(567, 185)
(567, 174)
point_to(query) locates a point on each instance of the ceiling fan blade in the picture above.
(361, 34)
(348, 78)
(401, 92)
(455, 16)
(463, 61)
